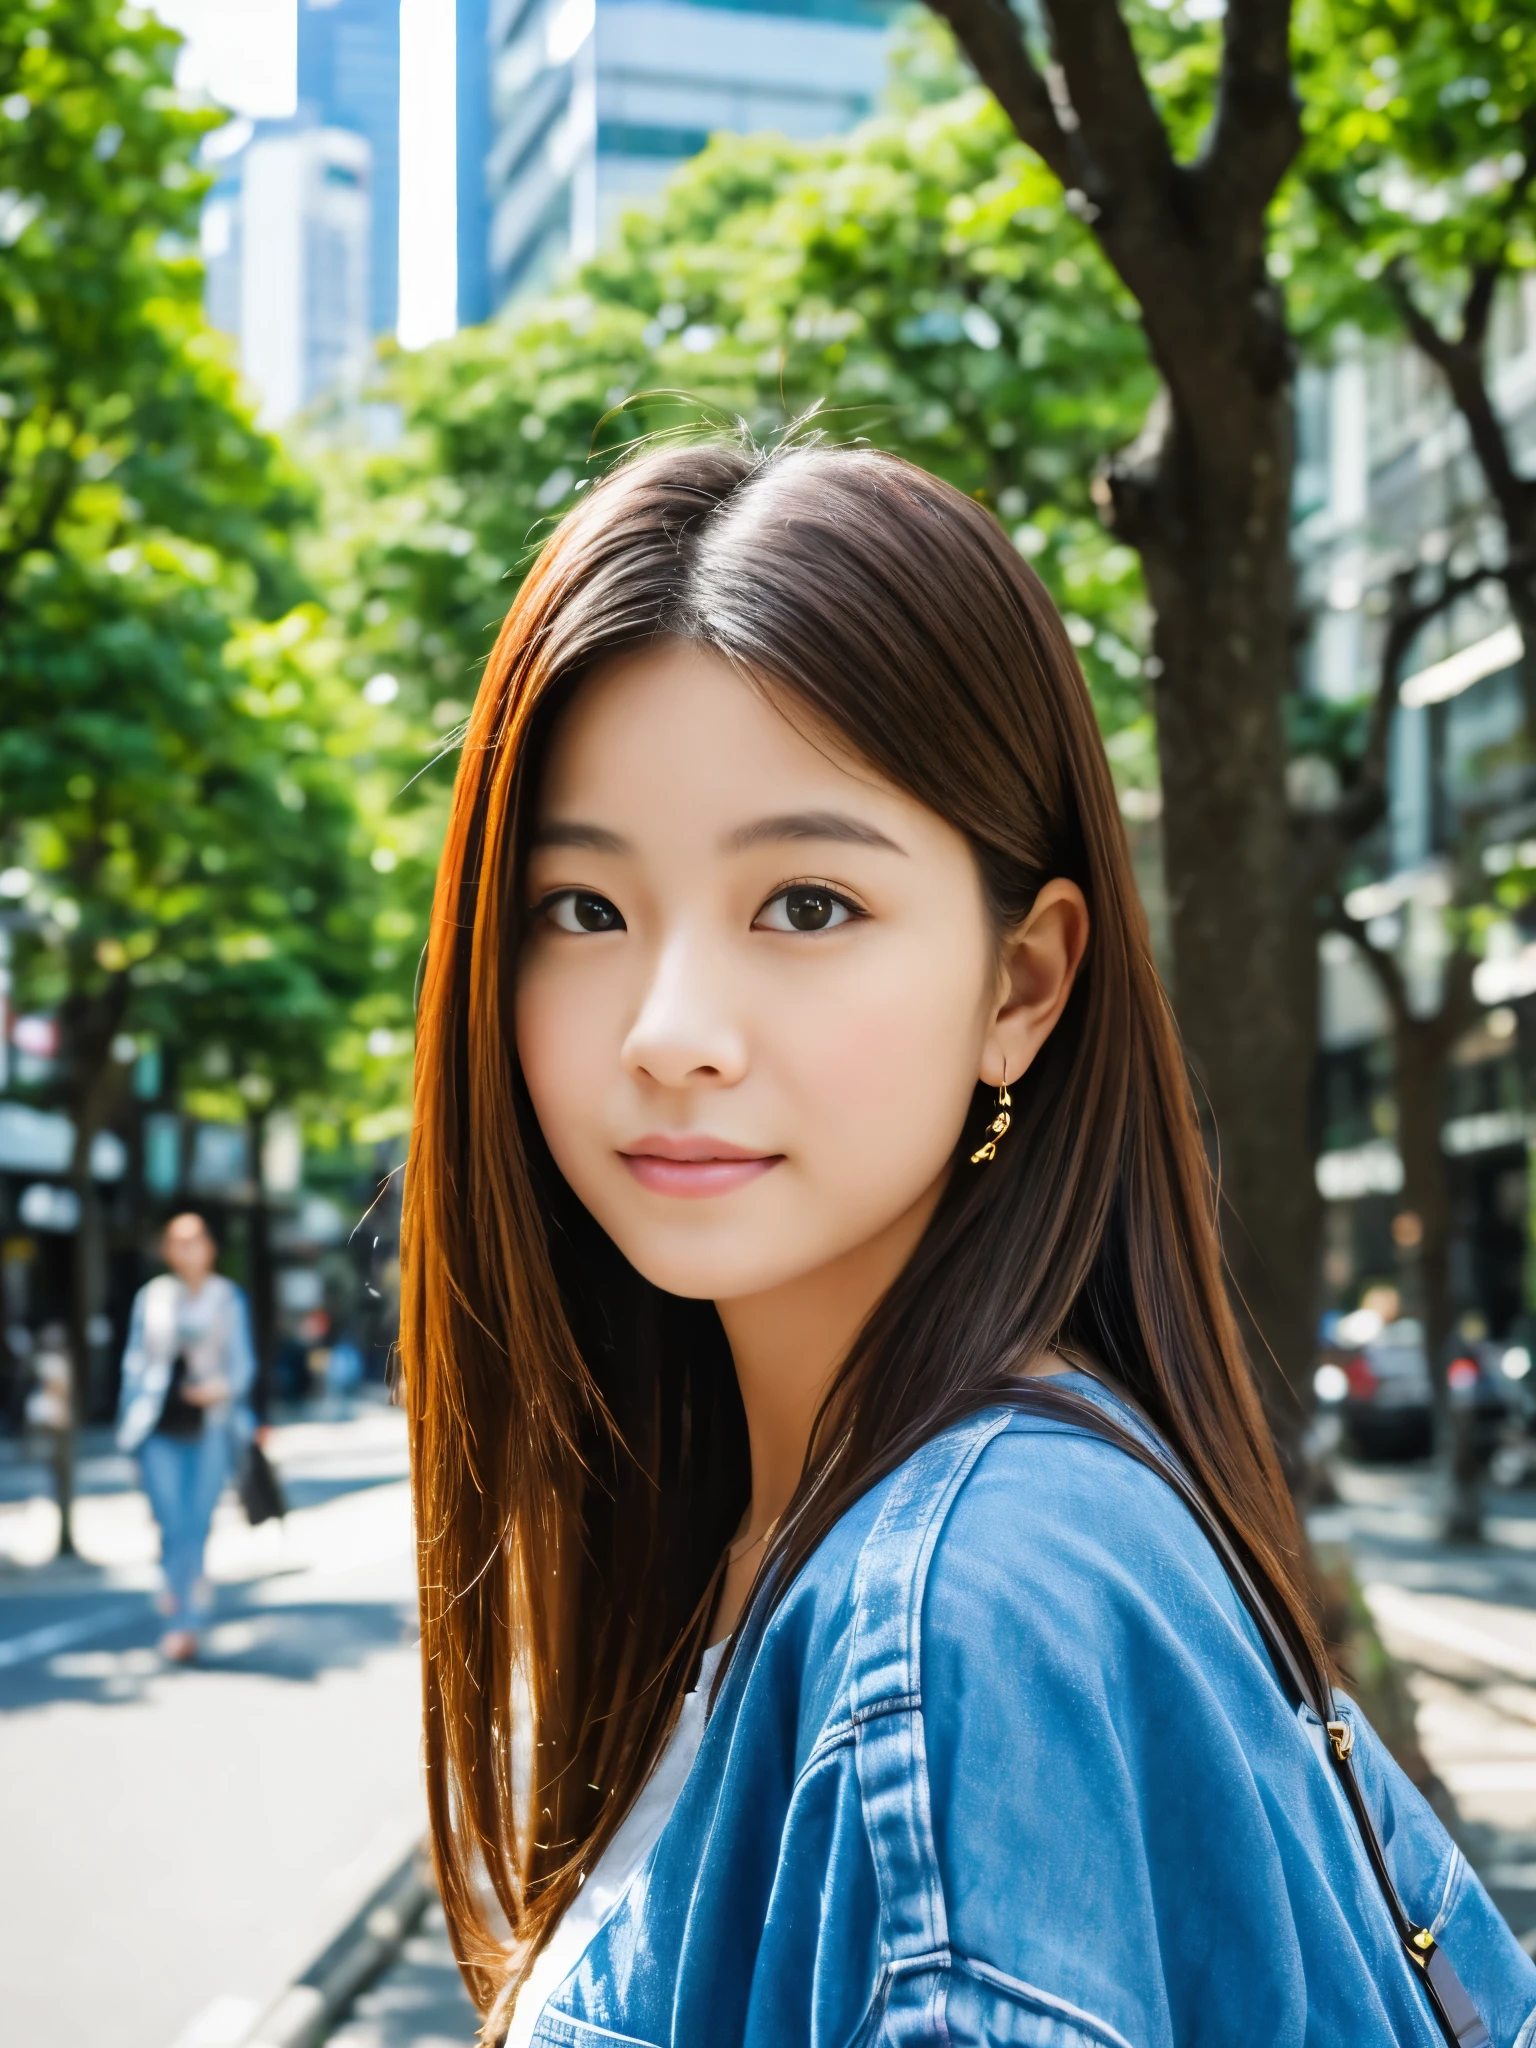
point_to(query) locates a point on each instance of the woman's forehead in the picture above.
(677, 720)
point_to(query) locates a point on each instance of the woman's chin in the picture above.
(698, 1275)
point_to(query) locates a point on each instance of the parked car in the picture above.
(1375, 1376)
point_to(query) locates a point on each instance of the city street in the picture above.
(181, 1843)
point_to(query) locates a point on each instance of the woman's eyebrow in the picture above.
(570, 832)
(809, 825)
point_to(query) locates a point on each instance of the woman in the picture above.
(187, 1370)
(804, 1181)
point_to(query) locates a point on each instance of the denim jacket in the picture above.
(1009, 1764)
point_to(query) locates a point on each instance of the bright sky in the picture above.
(244, 55)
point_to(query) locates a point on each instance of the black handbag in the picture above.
(180, 1419)
(260, 1489)
(1449, 1999)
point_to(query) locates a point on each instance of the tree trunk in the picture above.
(1422, 1047)
(1204, 498)
(1214, 540)
(64, 1441)
(88, 1026)
(1522, 604)
(1420, 1060)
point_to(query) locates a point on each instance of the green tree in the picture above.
(168, 769)
(200, 882)
(1417, 212)
(118, 417)
(141, 514)
(1170, 127)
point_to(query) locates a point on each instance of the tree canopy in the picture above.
(918, 281)
(169, 770)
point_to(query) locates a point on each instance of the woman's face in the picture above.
(760, 984)
(189, 1250)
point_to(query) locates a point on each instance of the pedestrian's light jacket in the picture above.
(1010, 1765)
(153, 1340)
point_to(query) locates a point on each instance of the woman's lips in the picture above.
(695, 1166)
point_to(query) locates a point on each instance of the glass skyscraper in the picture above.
(594, 102)
(349, 77)
(472, 144)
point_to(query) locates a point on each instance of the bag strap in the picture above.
(1449, 2000)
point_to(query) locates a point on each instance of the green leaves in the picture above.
(201, 871)
(117, 406)
(920, 282)
(1421, 148)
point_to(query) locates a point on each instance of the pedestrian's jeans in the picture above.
(184, 1479)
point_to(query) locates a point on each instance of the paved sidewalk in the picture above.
(178, 1844)
(1461, 1621)
(419, 2003)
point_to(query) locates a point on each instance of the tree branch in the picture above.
(1461, 362)
(1091, 117)
(1406, 619)
(40, 534)
(1459, 1008)
(1257, 127)
(1127, 160)
(1477, 307)
(1384, 966)
(1422, 331)
(992, 36)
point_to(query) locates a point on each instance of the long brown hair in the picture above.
(578, 1444)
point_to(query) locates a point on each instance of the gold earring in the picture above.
(998, 1125)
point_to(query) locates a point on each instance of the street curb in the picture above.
(304, 2014)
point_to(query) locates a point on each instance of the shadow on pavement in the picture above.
(244, 1637)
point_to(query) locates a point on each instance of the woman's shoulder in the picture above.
(1012, 1536)
(1008, 1500)
(1058, 1546)
(1041, 1492)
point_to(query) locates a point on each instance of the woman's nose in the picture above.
(684, 1033)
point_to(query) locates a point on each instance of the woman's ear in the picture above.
(1040, 959)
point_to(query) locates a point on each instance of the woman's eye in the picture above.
(806, 907)
(579, 910)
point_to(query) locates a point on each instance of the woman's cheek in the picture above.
(885, 1071)
(555, 1030)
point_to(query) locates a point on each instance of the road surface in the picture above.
(178, 1844)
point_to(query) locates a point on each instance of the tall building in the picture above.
(1386, 478)
(349, 77)
(594, 102)
(299, 250)
(472, 145)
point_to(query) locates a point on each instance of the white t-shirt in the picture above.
(614, 1871)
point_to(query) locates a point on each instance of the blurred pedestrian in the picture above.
(187, 1375)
